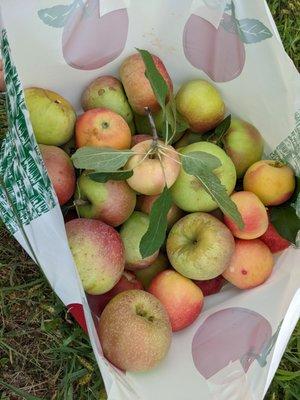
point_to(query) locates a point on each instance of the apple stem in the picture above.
(80, 202)
(152, 126)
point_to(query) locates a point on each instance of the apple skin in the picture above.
(199, 246)
(244, 145)
(60, 170)
(112, 202)
(211, 286)
(134, 331)
(253, 213)
(189, 194)
(101, 127)
(139, 138)
(52, 117)
(251, 264)
(145, 203)
(146, 275)
(128, 281)
(272, 181)
(273, 240)
(137, 87)
(182, 299)
(131, 233)
(150, 175)
(98, 253)
(107, 91)
(201, 104)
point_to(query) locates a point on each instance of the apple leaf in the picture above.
(253, 31)
(157, 82)
(197, 160)
(100, 159)
(57, 16)
(202, 168)
(103, 177)
(154, 238)
(286, 222)
(222, 128)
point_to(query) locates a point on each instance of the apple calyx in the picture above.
(139, 309)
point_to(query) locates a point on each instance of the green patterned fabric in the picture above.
(23, 178)
(289, 151)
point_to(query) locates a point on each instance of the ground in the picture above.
(43, 353)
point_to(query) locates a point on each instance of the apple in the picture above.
(251, 264)
(146, 275)
(201, 104)
(145, 203)
(134, 331)
(107, 91)
(188, 138)
(200, 247)
(188, 192)
(272, 181)
(253, 213)
(52, 117)
(273, 240)
(152, 171)
(137, 86)
(60, 170)
(112, 202)
(98, 253)
(244, 145)
(211, 286)
(139, 138)
(101, 127)
(128, 281)
(182, 299)
(131, 233)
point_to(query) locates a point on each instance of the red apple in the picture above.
(139, 138)
(211, 286)
(128, 281)
(273, 240)
(182, 299)
(60, 170)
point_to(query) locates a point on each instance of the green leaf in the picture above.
(103, 177)
(201, 167)
(196, 161)
(222, 128)
(253, 31)
(100, 159)
(157, 82)
(286, 221)
(154, 238)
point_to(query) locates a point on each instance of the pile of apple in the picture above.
(138, 301)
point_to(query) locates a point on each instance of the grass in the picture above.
(43, 353)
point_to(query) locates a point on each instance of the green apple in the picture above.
(52, 117)
(244, 145)
(112, 202)
(131, 233)
(201, 104)
(188, 138)
(147, 274)
(107, 91)
(188, 192)
(200, 247)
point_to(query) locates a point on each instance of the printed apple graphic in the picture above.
(229, 335)
(220, 53)
(84, 46)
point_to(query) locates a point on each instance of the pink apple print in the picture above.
(220, 53)
(229, 335)
(90, 42)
